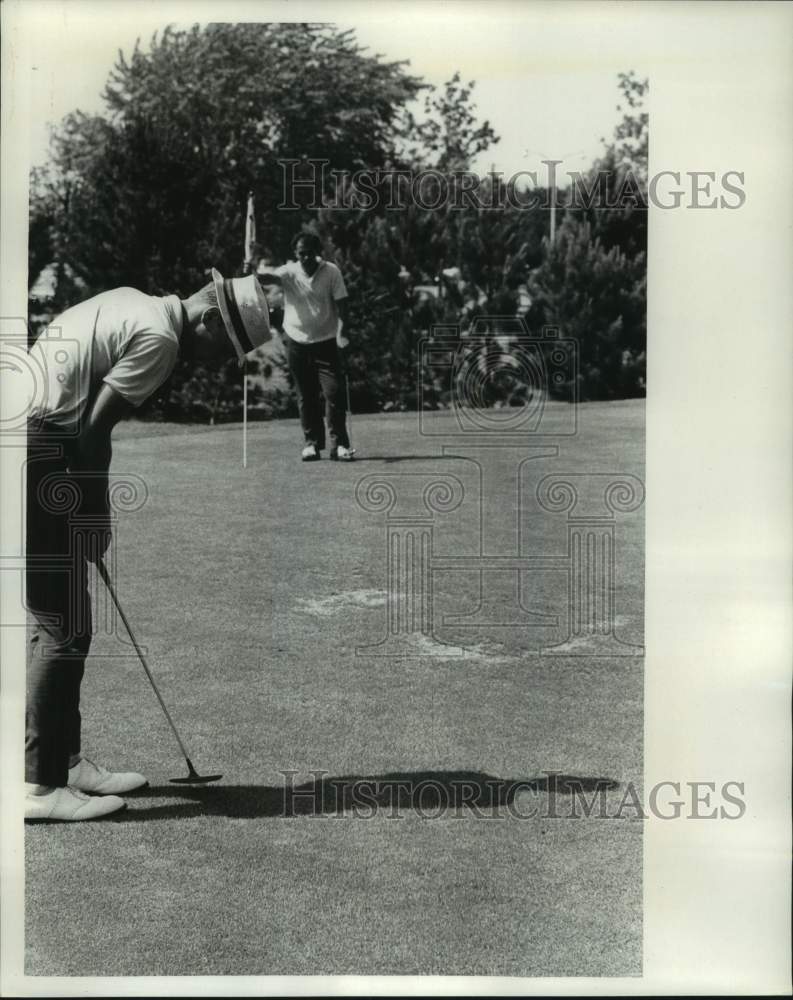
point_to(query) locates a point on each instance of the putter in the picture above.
(193, 777)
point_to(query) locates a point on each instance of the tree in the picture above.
(157, 189)
(449, 136)
(154, 193)
(410, 270)
(597, 296)
(631, 145)
(619, 177)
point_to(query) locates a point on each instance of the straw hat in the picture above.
(243, 306)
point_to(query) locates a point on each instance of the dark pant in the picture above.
(60, 608)
(316, 371)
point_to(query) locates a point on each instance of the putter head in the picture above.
(196, 779)
(193, 777)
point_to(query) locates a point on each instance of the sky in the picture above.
(546, 78)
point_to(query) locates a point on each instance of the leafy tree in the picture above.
(154, 193)
(619, 177)
(449, 136)
(597, 296)
(157, 190)
(632, 135)
(41, 249)
(410, 270)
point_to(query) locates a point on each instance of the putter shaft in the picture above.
(100, 565)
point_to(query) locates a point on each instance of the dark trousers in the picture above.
(60, 609)
(316, 372)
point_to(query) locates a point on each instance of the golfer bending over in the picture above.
(113, 352)
(315, 310)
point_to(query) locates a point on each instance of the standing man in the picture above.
(315, 311)
(113, 352)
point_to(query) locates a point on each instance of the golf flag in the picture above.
(250, 234)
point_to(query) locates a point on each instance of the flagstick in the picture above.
(247, 268)
(244, 419)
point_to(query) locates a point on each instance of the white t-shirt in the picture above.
(123, 338)
(309, 302)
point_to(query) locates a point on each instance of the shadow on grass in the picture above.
(402, 458)
(426, 792)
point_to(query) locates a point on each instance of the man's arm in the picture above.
(269, 277)
(92, 460)
(342, 312)
(93, 445)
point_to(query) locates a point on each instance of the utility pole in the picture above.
(552, 165)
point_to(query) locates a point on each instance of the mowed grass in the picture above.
(251, 591)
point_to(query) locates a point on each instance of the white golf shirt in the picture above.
(309, 302)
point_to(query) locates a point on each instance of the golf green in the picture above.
(359, 632)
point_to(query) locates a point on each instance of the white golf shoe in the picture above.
(89, 777)
(69, 805)
(310, 453)
(342, 454)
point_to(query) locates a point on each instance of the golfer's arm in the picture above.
(269, 278)
(342, 312)
(94, 451)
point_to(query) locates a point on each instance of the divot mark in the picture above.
(326, 607)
